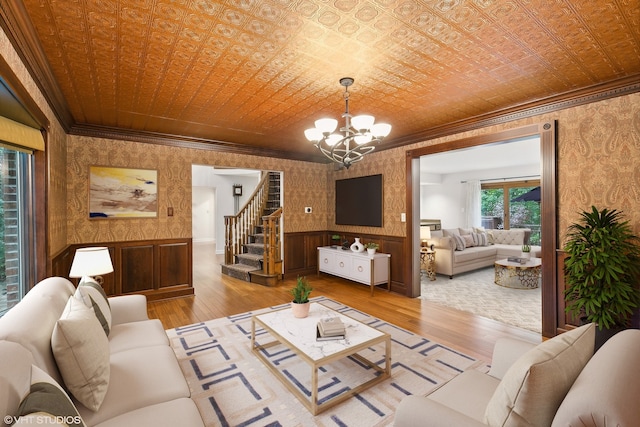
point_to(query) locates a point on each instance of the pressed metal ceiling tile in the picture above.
(260, 72)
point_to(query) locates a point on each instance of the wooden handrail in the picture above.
(271, 229)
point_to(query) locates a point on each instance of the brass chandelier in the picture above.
(359, 134)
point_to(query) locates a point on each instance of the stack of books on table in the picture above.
(517, 259)
(330, 328)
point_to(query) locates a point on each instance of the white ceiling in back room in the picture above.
(508, 154)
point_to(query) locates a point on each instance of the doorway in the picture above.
(474, 187)
(547, 134)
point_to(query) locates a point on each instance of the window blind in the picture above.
(17, 136)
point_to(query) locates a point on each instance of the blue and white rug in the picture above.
(232, 387)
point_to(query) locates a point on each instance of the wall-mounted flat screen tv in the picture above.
(359, 201)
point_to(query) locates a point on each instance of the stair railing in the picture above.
(272, 264)
(237, 228)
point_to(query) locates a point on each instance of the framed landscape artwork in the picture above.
(122, 192)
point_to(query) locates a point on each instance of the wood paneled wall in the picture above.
(159, 269)
(301, 253)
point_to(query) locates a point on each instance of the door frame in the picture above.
(547, 132)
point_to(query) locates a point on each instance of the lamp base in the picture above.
(98, 280)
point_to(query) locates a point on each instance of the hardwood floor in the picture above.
(219, 296)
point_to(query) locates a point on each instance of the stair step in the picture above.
(252, 260)
(239, 271)
(254, 248)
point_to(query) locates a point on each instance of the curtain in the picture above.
(472, 205)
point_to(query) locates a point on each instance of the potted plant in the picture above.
(602, 270)
(335, 240)
(300, 303)
(526, 251)
(371, 247)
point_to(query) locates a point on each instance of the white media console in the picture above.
(360, 267)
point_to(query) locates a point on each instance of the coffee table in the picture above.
(299, 335)
(519, 276)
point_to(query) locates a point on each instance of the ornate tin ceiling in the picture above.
(258, 73)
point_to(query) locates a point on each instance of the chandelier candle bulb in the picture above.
(356, 139)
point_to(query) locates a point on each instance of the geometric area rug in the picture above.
(232, 387)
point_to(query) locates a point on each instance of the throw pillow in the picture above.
(480, 239)
(81, 350)
(468, 240)
(450, 232)
(459, 241)
(47, 401)
(533, 388)
(94, 296)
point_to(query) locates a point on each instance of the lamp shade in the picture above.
(91, 262)
(380, 130)
(326, 126)
(363, 122)
(425, 232)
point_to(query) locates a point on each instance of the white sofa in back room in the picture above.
(115, 363)
(459, 250)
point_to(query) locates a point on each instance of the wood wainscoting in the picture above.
(301, 253)
(159, 269)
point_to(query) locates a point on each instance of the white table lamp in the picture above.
(91, 262)
(425, 234)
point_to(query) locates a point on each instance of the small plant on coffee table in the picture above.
(301, 291)
(300, 304)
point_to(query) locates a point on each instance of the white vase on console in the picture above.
(357, 246)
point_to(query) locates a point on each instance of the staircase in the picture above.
(252, 248)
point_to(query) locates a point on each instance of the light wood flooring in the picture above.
(219, 296)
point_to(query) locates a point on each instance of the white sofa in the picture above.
(452, 258)
(129, 377)
(557, 383)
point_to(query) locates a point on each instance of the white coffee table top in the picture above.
(532, 262)
(301, 333)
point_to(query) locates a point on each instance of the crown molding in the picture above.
(595, 93)
(184, 141)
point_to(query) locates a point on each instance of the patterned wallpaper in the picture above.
(303, 182)
(598, 154)
(56, 202)
(598, 164)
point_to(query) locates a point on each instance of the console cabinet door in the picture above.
(343, 265)
(327, 261)
(361, 270)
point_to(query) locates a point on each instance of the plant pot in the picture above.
(371, 251)
(525, 255)
(300, 310)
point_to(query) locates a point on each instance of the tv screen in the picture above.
(359, 201)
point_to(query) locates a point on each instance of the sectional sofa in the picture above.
(459, 250)
(85, 359)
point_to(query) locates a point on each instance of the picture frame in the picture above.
(116, 192)
(237, 190)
